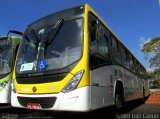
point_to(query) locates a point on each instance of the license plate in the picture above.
(33, 106)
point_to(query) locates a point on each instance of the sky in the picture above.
(133, 21)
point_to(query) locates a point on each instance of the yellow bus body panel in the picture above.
(54, 87)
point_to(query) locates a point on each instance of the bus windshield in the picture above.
(51, 48)
(6, 60)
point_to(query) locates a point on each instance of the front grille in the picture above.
(45, 102)
(40, 79)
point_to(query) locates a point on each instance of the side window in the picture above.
(138, 67)
(127, 59)
(114, 43)
(93, 27)
(134, 69)
(124, 56)
(114, 50)
(143, 70)
(102, 43)
(131, 64)
(98, 43)
(93, 30)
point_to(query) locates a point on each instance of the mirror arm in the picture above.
(14, 32)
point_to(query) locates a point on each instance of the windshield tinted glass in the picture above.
(6, 60)
(64, 48)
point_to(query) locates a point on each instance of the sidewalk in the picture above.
(154, 98)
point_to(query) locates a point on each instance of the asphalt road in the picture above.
(136, 109)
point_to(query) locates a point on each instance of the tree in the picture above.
(155, 83)
(152, 49)
(157, 73)
(149, 75)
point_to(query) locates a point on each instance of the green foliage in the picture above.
(157, 73)
(149, 75)
(153, 48)
(155, 83)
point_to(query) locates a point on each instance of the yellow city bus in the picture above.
(72, 61)
(8, 50)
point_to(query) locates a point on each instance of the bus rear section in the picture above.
(8, 50)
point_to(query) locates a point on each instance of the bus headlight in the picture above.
(3, 84)
(73, 83)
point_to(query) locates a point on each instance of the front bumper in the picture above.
(77, 100)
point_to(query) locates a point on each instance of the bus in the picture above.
(8, 51)
(72, 61)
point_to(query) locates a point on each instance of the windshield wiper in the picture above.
(53, 32)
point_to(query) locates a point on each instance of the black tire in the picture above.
(118, 101)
